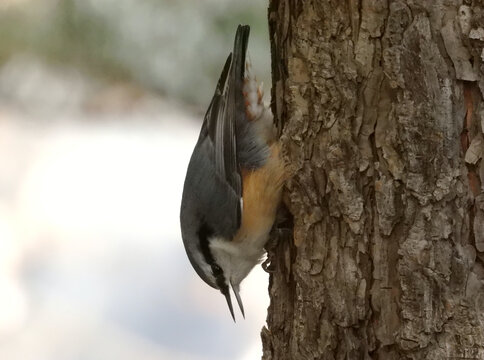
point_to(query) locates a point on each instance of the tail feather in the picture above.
(240, 49)
(238, 68)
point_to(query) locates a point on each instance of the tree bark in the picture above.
(380, 111)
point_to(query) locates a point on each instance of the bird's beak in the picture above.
(226, 293)
(236, 289)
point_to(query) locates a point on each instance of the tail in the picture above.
(240, 49)
(237, 70)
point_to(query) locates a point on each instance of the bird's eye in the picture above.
(216, 270)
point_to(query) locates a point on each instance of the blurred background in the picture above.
(101, 102)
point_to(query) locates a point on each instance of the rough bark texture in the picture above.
(380, 109)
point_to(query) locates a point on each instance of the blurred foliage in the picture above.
(61, 32)
(174, 47)
(84, 39)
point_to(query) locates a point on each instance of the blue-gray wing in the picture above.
(227, 110)
(219, 131)
(213, 185)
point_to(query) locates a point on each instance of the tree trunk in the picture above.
(380, 109)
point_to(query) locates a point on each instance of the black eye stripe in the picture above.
(217, 271)
(221, 284)
(204, 233)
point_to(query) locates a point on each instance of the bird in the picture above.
(234, 179)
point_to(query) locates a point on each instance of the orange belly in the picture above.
(261, 194)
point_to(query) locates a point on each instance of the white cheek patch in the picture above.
(235, 259)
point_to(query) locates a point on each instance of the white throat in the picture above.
(236, 258)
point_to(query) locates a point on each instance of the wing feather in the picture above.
(225, 110)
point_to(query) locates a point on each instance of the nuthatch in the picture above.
(234, 179)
